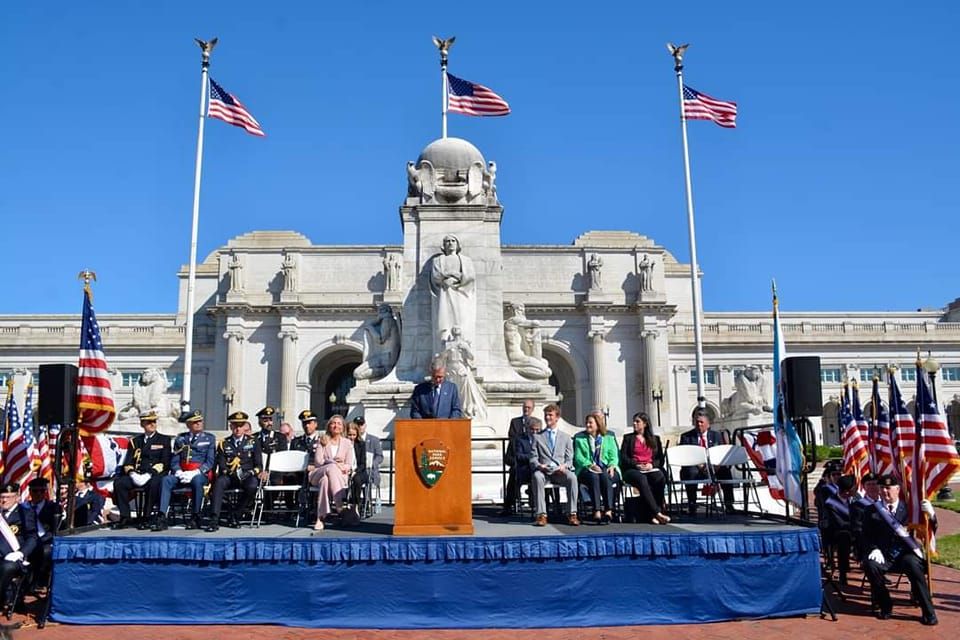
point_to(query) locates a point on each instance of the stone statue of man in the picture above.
(522, 340)
(646, 274)
(289, 268)
(453, 288)
(236, 273)
(594, 265)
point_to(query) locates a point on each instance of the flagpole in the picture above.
(677, 53)
(443, 45)
(206, 48)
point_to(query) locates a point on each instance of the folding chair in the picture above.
(735, 457)
(285, 462)
(688, 455)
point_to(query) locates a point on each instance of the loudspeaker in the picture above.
(801, 384)
(57, 403)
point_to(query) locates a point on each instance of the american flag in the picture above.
(94, 391)
(43, 453)
(18, 451)
(29, 437)
(225, 106)
(474, 99)
(700, 106)
(902, 433)
(883, 459)
(762, 449)
(939, 453)
(855, 459)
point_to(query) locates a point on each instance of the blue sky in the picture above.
(840, 180)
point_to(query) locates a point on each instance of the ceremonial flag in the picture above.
(5, 427)
(43, 453)
(474, 99)
(700, 106)
(762, 449)
(939, 454)
(18, 453)
(30, 439)
(902, 434)
(856, 452)
(883, 458)
(789, 448)
(225, 106)
(94, 391)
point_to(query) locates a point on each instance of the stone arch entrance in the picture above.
(564, 382)
(830, 424)
(331, 379)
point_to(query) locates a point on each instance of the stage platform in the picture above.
(508, 574)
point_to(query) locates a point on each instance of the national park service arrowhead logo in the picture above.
(431, 457)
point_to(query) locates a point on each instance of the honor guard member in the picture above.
(888, 546)
(835, 528)
(267, 438)
(192, 459)
(146, 464)
(238, 467)
(48, 515)
(18, 535)
(309, 440)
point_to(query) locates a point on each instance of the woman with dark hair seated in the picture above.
(595, 463)
(358, 482)
(641, 458)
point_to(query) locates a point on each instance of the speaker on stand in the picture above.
(57, 405)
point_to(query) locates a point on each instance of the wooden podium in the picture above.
(433, 481)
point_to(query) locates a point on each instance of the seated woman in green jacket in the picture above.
(595, 459)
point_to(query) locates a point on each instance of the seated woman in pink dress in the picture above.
(334, 461)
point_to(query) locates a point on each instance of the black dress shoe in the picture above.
(143, 523)
(122, 523)
(884, 614)
(506, 513)
(193, 522)
(692, 509)
(213, 526)
(930, 621)
(160, 523)
(729, 509)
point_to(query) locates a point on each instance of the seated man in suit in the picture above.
(835, 528)
(436, 398)
(18, 535)
(519, 427)
(890, 547)
(552, 458)
(702, 435)
(48, 516)
(88, 505)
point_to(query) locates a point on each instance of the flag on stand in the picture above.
(29, 436)
(17, 451)
(700, 106)
(789, 448)
(43, 453)
(902, 434)
(856, 452)
(881, 429)
(225, 106)
(94, 391)
(939, 454)
(474, 99)
(8, 410)
(762, 449)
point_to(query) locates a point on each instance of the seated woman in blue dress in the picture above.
(595, 462)
(641, 458)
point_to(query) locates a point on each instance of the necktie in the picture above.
(436, 401)
(703, 440)
(552, 437)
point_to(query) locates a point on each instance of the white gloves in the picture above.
(927, 508)
(877, 556)
(186, 476)
(14, 556)
(139, 479)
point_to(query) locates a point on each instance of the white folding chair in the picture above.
(736, 458)
(688, 455)
(288, 462)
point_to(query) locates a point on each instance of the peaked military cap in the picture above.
(887, 480)
(845, 483)
(238, 416)
(10, 487)
(359, 420)
(194, 416)
(306, 416)
(38, 483)
(868, 477)
(266, 412)
(149, 416)
(833, 466)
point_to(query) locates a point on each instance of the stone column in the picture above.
(288, 373)
(596, 340)
(649, 339)
(234, 338)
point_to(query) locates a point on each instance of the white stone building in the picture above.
(281, 320)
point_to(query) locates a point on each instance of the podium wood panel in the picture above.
(446, 507)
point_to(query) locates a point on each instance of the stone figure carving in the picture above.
(489, 181)
(475, 179)
(428, 181)
(453, 288)
(381, 345)
(594, 266)
(523, 343)
(150, 394)
(414, 186)
(392, 270)
(289, 268)
(646, 273)
(236, 273)
(749, 397)
(457, 356)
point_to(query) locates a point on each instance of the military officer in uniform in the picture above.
(888, 546)
(18, 534)
(308, 442)
(146, 464)
(192, 459)
(267, 438)
(238, 467)
(48, 515)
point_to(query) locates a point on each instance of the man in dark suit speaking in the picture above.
(436, 398)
